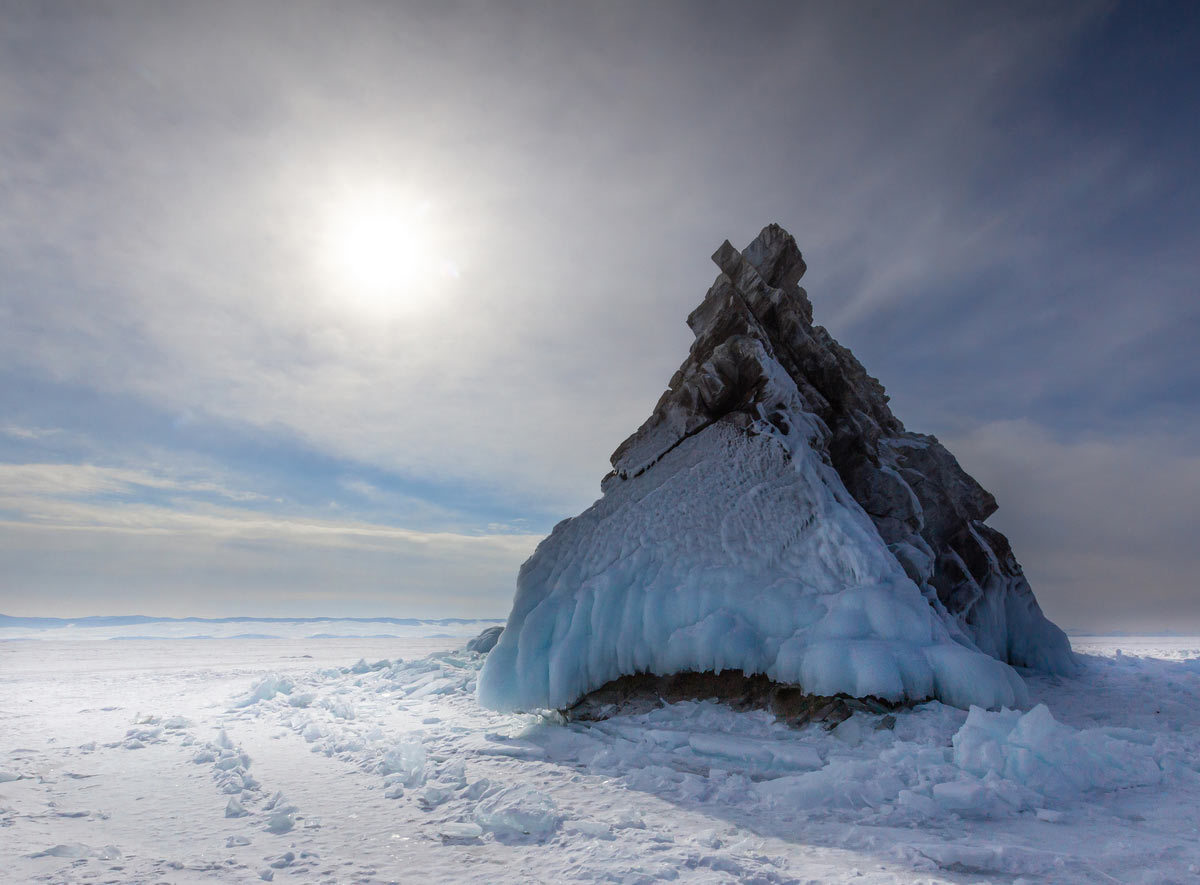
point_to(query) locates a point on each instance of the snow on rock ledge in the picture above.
(773, 516)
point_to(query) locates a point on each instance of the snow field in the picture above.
(290, 768)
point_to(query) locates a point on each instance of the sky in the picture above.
(336, 309)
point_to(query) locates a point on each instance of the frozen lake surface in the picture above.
(244, 760)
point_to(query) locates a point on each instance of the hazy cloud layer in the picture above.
(997, 206)
(90, 538)
(1104, 525)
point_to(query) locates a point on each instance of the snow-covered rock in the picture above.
(772, 516)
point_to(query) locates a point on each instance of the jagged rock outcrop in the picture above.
(927, 509)
(773, 516)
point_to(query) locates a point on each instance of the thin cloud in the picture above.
(29, 481)
(56, 497)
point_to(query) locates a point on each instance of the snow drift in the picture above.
(772, 516)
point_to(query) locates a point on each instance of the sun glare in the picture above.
(381, 253)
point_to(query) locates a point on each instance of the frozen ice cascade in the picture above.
(772, 516)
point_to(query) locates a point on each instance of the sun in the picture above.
(380, 250)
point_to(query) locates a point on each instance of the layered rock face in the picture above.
(927, 509)
(773, 516)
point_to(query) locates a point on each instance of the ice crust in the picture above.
(701, 564)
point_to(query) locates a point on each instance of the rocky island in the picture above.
(773, 525)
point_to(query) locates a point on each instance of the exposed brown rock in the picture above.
(644, 691)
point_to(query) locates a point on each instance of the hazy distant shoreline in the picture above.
(144, 627)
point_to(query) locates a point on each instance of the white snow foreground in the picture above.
(209, 764)
(702, 564)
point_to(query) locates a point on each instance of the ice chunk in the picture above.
(265, 689)
(281, 821)
(593, 829)
(406, 759)
(629, 820)
(518, 811)
(786, 754)
(850, 731)
(234, 808)
(962, 795)
(312, 732)
(433, 795)
(1055, 760)
(282, 817)
(460, 832)
(730, 747)
(847, 783)
(454, 774)
(480, 788)
(231, 782)
(923, 805)
(340, 708)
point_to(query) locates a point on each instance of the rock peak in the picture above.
(773, 516)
